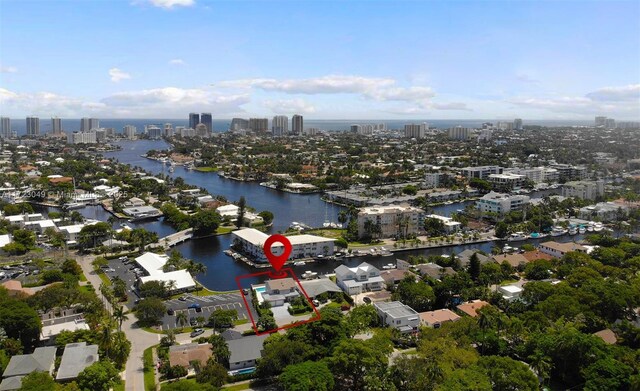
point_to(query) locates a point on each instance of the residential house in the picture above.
(514, 259)
(314, 288)
(245, 351)
(399, 316)
(183, 355)
(607, 335)
(557, 250)
(76, 357)
(465, 257)
(435, 319)
(41, 360)
(362, 278)
(510, 292)
(394, 276)
(434, 271)
(279, 291)
(470, 308)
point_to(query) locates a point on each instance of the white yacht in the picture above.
(389, 266)
(582, 229)
(309, 274)
(573, 230)
(597, 227)
(558, 231)
(299, 263)
(516, 237)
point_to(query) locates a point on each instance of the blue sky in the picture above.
(323, 59)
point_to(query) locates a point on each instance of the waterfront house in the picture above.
(279, 291)
(434, 271)
(314, 288)
(465, 257)
(394, 276)
(362, 278)
(514, 259)
(435, 319)
(250, 241)
(557, 250)
(76, 357)
(399, 316)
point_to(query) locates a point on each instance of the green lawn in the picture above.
(333, 233)
(224, 230)
(238, 322)
(105, 279)
(149, 369)
(119, 386)
(206, 169)
(237, 387)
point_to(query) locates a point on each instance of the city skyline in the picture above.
(366, 61)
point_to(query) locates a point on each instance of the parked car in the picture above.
(194, 305)
(193, 321)
(315, 302)
(182, 298)
(170, 311)
(245, 292)
(366, 300)
(196, 332)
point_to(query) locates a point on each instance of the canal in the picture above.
(309, 209)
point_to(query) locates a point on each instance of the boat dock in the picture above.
(176, 238)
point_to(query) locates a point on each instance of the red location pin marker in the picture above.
(277, 261)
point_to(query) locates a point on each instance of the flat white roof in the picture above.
(258, 238)
(72, 229)
(55, 329)
(511, 288)
(4, 240)
(152, 263)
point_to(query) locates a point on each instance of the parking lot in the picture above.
(208, 304)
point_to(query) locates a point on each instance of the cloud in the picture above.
(525, 78)
(177, 61)
(117, 74)
(623, 101)
(169, 4)
(630, 92)
(5, 69)
(289, 106)
(330, 84)
(169, 102)
(407, 94)
(451, 106)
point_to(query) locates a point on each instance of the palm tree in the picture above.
(541, 364)
(105, 335)
(181, 318)
(119, 316)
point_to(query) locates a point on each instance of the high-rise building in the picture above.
(194, 119)
(202, 131)
(280, 125)
(81, 138)
(153, 131)
(56, 125)
(459, 133)
(86, 124)
(259, 125)
(517, 124)
(33, 126)
(297, 124)
(94, 123)
(600, 120)
(205, 118)
(610, 123)
(355, 128)
(101, 135)
(129, 132)
(168, 130)
(5, 127)
(311, 131)
(239, 124)
(415, 130)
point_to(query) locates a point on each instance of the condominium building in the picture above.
(86, 124)
(129, 131)
(390, 221)
(501, 203)
(459, 133)
(250, 242)
(207, 120)
(297, 124)
(33, 126)
(56, 125)
(81, 138)
(239, 124)
(432, 179)
(5, 127)
(168, 130)
(154, 132)
(280, 125)
(517, 124)
(506, 182)
(600, 121)
(537, 174)
(311, 131)
(585, 190)
(415, 130)
(259, 125)
(194, 120)
(567, 172)
(480, 172)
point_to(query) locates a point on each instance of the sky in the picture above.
(323, 59)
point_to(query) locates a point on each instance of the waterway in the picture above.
(309, 209)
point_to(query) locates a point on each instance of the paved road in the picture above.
(140, 339)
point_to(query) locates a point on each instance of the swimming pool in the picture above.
(261, 289)
(246, 370)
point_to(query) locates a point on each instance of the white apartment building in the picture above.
(432, 179)
(459, 133)
(250, 242)
(481, 172)
(280, 125)
(129, 132)
(81, 138)
(506, 182)
(501, 203)
(399, 316)
(537, 174)
(450, 225)
(394, 220)
(585, 190)
(415, 130)
(362, 278)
